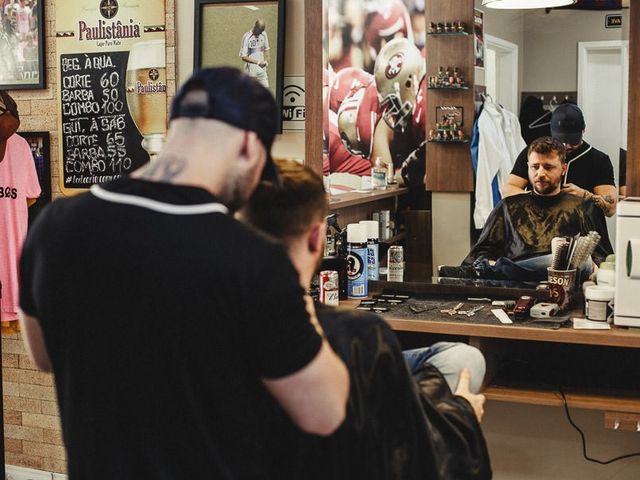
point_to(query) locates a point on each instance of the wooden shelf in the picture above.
(554, 399)
(448, 88)
(357, 198)
(449, 34)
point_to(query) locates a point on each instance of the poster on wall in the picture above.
(112, 88)
(39, 145)
(478, 37)
(374, 90)
(21, 44)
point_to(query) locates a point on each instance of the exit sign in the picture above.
(613, 21)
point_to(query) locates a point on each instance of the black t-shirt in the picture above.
(587, 167)
(160, 317)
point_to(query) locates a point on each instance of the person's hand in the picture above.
(575, 190)
(262, 64)
(476, 400)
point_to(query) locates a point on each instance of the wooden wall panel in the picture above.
(313, 84)
(449, 167)
(633, 142)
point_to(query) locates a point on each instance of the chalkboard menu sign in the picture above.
(112, 88)
(100, 141)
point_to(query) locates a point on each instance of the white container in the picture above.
(606, 274)
(598, 303)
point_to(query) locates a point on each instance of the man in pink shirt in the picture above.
(18, 185)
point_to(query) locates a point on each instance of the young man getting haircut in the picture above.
(387, 429)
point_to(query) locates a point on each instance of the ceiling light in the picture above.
(522, 4)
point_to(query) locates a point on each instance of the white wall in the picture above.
(551, 45)
(289, 144)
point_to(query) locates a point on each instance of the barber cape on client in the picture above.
(515, 243)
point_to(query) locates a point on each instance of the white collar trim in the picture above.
(155, 205)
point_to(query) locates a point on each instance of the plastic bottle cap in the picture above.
(356, 233)
(372, 227)
(600, 292)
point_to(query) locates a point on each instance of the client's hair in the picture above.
(291, 209)
(548, 146)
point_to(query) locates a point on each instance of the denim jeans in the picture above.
(450, 358)
(532, 269)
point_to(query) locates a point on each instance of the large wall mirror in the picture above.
(542, 56)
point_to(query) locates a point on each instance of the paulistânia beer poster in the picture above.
(112, 88)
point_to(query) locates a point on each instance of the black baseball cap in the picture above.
(567, 124)
(234, 98)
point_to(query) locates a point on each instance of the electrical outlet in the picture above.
(21, 473)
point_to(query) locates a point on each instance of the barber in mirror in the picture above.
(515, 243)
(589, 173)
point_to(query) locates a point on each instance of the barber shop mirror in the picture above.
(540, 57)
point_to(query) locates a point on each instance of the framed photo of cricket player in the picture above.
(22, 45)
(248, 35)
(39, 144)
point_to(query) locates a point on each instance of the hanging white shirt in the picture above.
(499, 144)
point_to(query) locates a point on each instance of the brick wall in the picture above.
(31, 421)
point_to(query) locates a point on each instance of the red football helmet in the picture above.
(388, 20)
(357, 118)
(345, 83)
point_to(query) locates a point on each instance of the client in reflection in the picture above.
(390, 433)
(515, 243)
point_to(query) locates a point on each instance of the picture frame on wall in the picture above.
(478, 37)
(248, 35)
(22, 59)
(41, 151)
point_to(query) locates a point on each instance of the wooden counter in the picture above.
(486, 336)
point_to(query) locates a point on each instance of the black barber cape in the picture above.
(393, 430)
(522, 226)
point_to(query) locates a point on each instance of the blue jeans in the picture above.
(450, 358)
(532, 269)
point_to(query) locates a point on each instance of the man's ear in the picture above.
(315, 239)
(564, 168)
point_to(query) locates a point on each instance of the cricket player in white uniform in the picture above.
(254, 51)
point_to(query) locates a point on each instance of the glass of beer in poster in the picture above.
(147, 92)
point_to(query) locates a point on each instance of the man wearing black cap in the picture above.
(167, 323)
(589, 171)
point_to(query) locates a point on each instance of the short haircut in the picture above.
(548, 146)
(290, 210)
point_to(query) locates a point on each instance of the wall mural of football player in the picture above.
(375, 70)
(254, 51)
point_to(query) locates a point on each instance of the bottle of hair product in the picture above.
(357, 283)
(379, 175)
(373, 256)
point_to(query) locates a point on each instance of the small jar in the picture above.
(598, 304)
(606, 274)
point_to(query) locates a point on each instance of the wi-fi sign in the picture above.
(293, 95)
(293, 102)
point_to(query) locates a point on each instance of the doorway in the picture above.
(603, 77)
(501, 72)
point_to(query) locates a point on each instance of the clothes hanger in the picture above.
(545, 116)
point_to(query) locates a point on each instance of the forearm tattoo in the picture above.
(603, 202)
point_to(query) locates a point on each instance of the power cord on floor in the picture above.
(584, 440)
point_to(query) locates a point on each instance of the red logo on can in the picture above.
(394, 67)
(329, 294)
